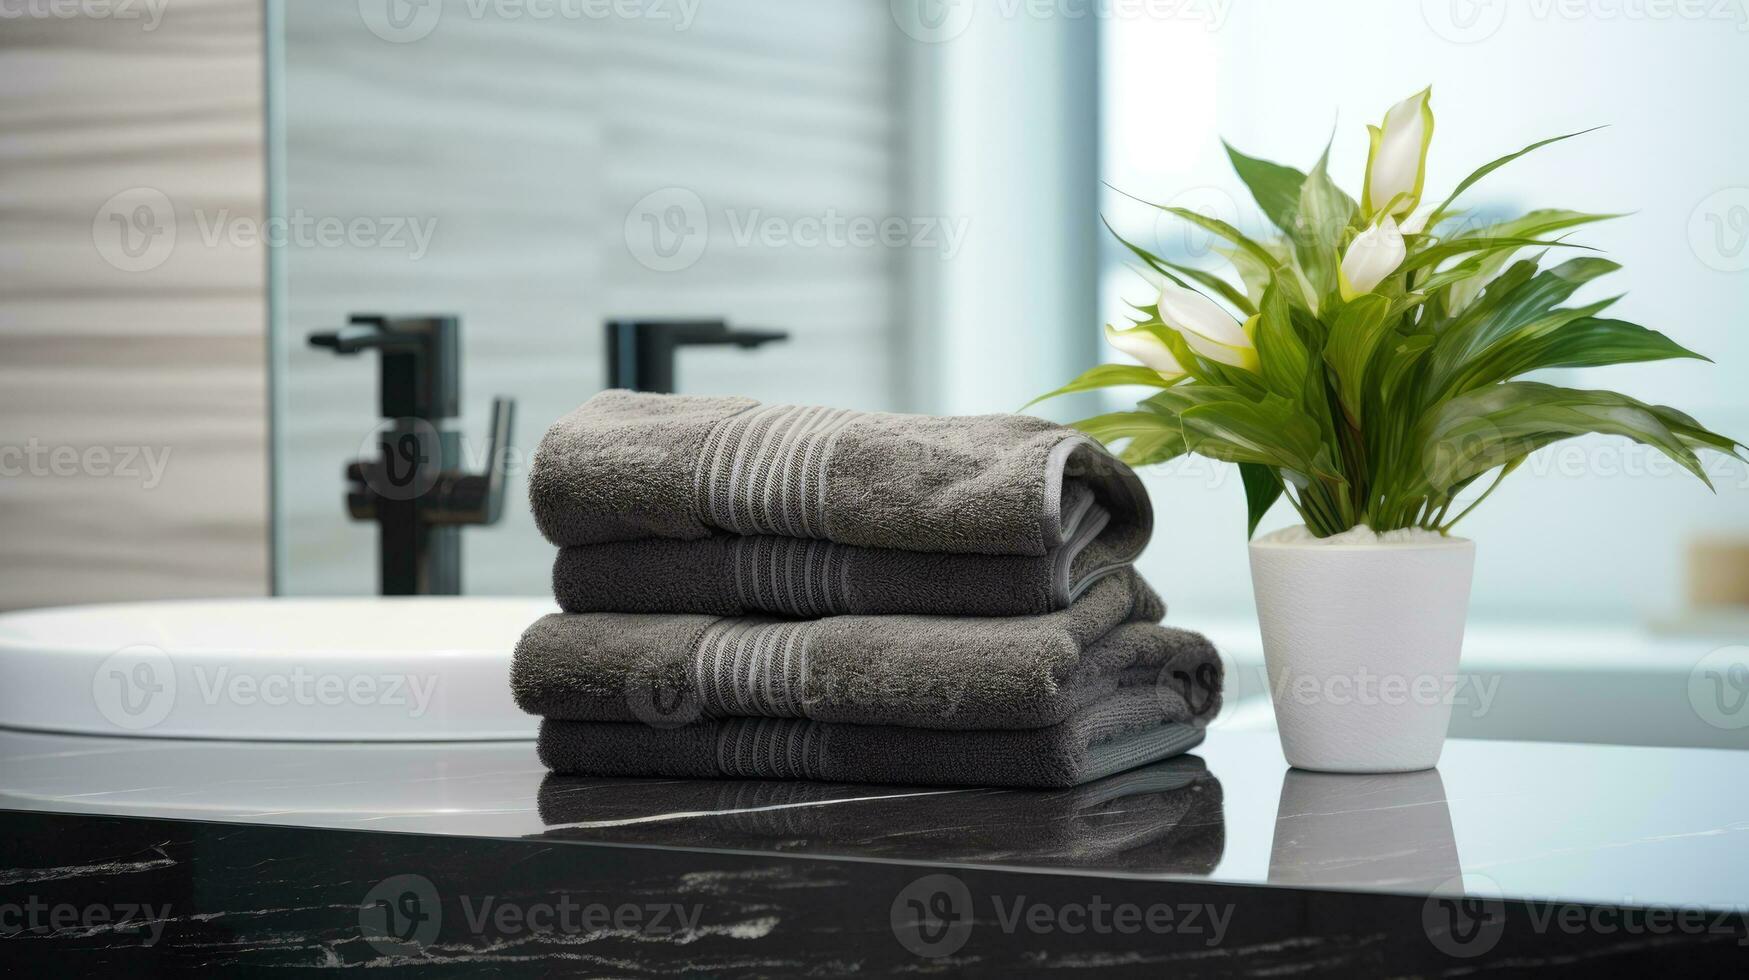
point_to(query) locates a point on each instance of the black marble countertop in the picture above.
(1226, 861)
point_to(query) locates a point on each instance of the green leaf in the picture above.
(1510, 304)
(1106, 376)
(1359, 329)
(1149, 450)
(1174, 271)
(1477, 431)
(1220, 229)
(1262, 490)
(1325, 213)
(1179, 398)
(1435, 254)
(1563, 341)
(1280, 350)
(1692, 432)
(1468, 278)
(1271, 432)
(1275, 187)
(1398, 361)
(1534, 223)
(1492, 295)
(1112, 426)
(1493, 165)
(1473, 269)
(1254, 274)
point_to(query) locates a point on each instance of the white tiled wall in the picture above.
(133, 423)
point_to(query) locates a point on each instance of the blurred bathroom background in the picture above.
(912, 189)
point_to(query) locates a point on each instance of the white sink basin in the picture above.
(380, 669)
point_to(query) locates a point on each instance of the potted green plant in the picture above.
(1365, 367)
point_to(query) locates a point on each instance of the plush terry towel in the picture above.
(629, 465)
(1163, 818)
(1134, 726)
(730, 575)
(924, 671)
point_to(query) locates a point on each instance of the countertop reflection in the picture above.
(1526, 820)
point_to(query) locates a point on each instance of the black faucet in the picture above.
(640, 353)
(414, 489)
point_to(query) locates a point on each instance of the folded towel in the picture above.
(924, 671)
(1130, 728)
(1162, 818)
(730, 575)
(629, 465)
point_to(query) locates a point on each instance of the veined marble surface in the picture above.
(1535, 821)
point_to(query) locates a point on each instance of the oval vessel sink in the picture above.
(382, 669)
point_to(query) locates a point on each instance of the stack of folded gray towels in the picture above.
(783, 592)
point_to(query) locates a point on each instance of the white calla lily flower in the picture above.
(1397, 164)
(1145, 346)
(1209, 330)
(1374, 254)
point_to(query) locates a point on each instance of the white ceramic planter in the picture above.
(1362, 643)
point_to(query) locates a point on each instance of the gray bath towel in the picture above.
(1163, 818)
(1130, 728)
(926, 671)
(629, 465)
(730, 575)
